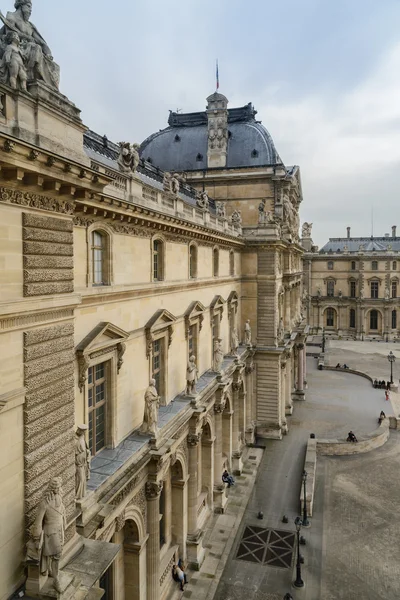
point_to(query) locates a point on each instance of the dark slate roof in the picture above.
(371, 244)
(183, 145)
(102, 150)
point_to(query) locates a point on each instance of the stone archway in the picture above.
(207, 464)
(131, 572)
(374, 322)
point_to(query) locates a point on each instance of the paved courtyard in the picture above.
(352, 515)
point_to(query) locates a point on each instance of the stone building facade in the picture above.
(115, 272)
(352, 286)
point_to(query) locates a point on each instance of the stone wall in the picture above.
(49, 415)
(48, 255)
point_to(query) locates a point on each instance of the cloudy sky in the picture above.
(324, 77)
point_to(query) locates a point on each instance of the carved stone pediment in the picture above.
(161, 321)
(103, 339)
(217, 306)
(194, 313)
(233, 302)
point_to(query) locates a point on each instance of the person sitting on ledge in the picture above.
(381, 417)
(226, 478)
(351, 437)
(375, 384)
(179, 576)
(345, 366)
(338, 366)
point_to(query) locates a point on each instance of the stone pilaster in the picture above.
(299, 393)
(217, 115)
(195, 548)
(220, 498)
(153, 491)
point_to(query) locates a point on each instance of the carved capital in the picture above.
(193, 439)
(300, 346)
(219, 408)
(249, 368)
(153, 489)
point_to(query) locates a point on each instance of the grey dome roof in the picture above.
(183, 145)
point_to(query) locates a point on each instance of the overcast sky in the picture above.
(324, 77)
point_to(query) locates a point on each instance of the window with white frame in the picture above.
(374, 289)
(330, 288)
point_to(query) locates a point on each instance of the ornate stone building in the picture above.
(352, 286)
(116, 272)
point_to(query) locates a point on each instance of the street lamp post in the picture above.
(391, 358)
(299, 582)
(306, 522)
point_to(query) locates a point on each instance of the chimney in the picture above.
(394, 231)
(348, 233)
(217, 115)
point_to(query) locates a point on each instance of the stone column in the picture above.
(287, 310)
(288, 387)
(180, 515)
(237, 463)
(194, 540)
(153, 491)
(167, 508)
(283, 396)
(299, 394)
(220, 498)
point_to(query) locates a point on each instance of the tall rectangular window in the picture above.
(394, 319)
(97, 407)
(352, 289)
(374, 265)
(352, 317)
(353, 265)
(158, 260)
(330, 317)
(394, 289)
(330, 288)
(98, 247)
(374, 289)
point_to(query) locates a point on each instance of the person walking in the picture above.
(387, 395)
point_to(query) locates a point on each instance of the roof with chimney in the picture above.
(183, 145)
(366, 244)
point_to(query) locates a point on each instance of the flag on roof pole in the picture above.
(217, 76)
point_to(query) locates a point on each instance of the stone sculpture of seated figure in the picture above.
(37, 55)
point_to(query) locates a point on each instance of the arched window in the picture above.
(330, 265)
(353, 265)
(193, 261)
(352, 317)
(394, 319)
(232, 263)
(100, 265)
(215, 262)
(374, 265)
(373, 319)
(330, 317)
(158, 260)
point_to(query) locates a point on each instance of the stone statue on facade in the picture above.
(319, 292)
(152, 404)
(192, 375)
(12, 68)
(82, 462)
(306, 230)
(128, 160)
(47, 533)
(291, 217)
(171, 183)
(234, 342)
(220, 209)
(261, 212)
(36, 54)
(218, 355)
(203, 201)
(281, 330)
(236, 218)
(247, 333)
(387, 293)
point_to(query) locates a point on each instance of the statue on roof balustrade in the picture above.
(35, 53)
